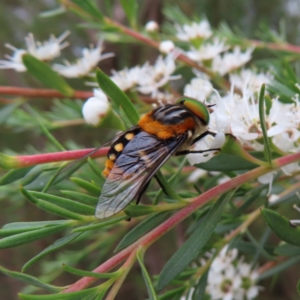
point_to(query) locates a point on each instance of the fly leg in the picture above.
(198, 138)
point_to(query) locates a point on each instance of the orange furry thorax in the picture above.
(164, 132)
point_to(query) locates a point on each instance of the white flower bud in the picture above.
(95, 108)
(151, 26)
(166, 46)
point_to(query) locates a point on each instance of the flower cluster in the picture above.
(230, 278)
(48, 50)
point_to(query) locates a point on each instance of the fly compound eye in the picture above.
(197, 108)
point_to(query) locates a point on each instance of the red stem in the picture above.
(199, 201)
(31, 160)
(41, 93)
(274, 46)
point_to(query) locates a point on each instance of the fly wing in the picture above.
(134, 168)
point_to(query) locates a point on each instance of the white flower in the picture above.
(295, 222)
(230, 280)
(95, 108)
(158, 75)
(287, 119)
(267, 179)
(195, 175)
(90, 58)
(166, 47)
(15, 61)
(152, 26)
(239, 116)
(248, 78)
(231, 61)
(273, 199)
(207, 51)
(47, 50)
(198, 88)
(41, 50)
(224, 259)
(207, 143)
(128, 78)
(193, 31)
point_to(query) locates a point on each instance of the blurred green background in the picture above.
(18, 18)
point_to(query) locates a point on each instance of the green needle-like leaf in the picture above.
(192, 246)
(82, 273)
(130, 9)
(56, 245)
(89, 187)
(43, 73)
(282, 227)
(67, 296)
(261, 105)
(30, 236)
(147, 279)
(19, 227)
(30, 280)
(117, 96)
(13, 175)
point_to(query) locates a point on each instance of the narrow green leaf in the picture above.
(82, 198)
(30, 236)
(282, 227)
(51, 207)
(167, 187)
(226, 162)
(130, 8)
(171, 294)
(141, 229)
(43, 72)
(298, 287)
(19, 227)
(287, 250)
(279, 268)
(13, 175)
(100, 224)
(33, 174)
(199, 291)
(53, 12)
(65, 203)
(30, 280)
(172, 181)
(117, 96)
(261, 105)
(192, 246)
(259, 246)
(39, 120)
(90, 7)
(147, 279)
(56, 245)
(133, 210)
(89, 187)
(67, 296)
(63, 172)
(82, 273)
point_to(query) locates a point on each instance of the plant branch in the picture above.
(275, 46)
(21, 161)
(41, 93)
(125, 270)
(163, 228)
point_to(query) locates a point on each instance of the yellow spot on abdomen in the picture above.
(118, 147)
(129, 136)
(112, 157)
